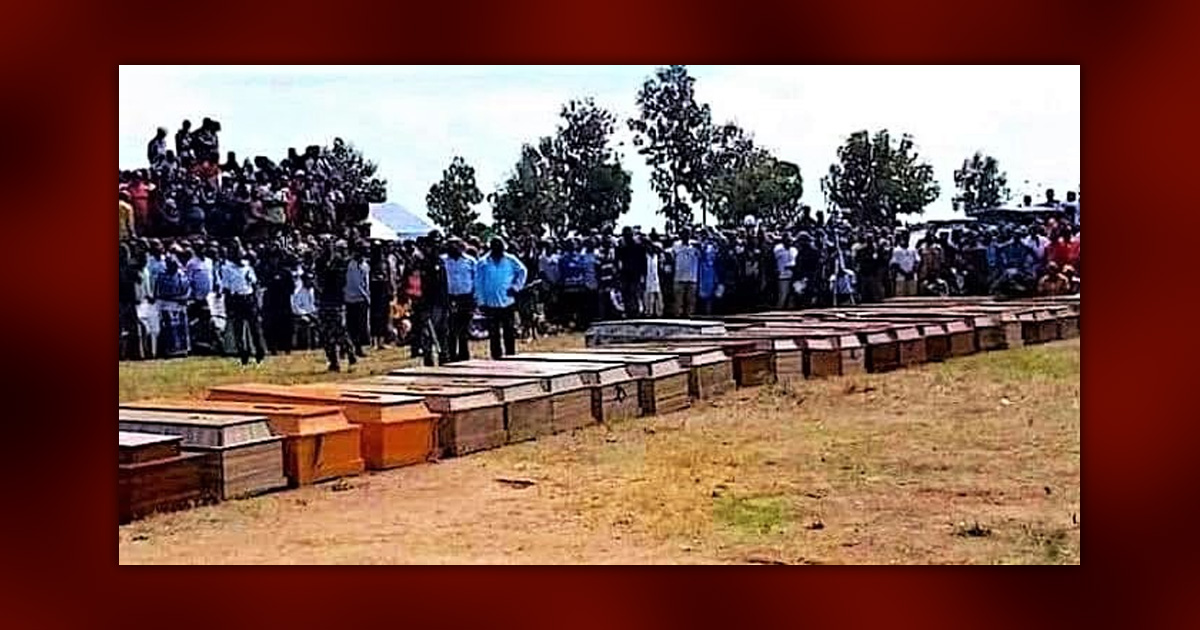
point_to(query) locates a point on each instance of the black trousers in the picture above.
(631, 294)
(129, 333)
(500, 322)
(462, 309)
(432, 332)
(357, 314)
(244, 317)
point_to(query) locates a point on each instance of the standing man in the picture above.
(435, 302)
(653, 295)
(687, 271)
(498, 278)
(202, 280)
(357, 296)
(632, 269)
(126, 228)
(904, 264)
(460, 283)
(331, 305)
(785, 262)
(239, 283)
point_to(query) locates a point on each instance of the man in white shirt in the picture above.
(785, 260)
(653, 294)
(687, 270)
(238, 283)
(304, 311)
(904, 264)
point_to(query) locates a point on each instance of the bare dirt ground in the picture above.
(972, 461)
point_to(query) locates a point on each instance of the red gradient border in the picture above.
(60, 102)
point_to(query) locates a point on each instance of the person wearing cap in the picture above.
(460, 285)
(499, 276)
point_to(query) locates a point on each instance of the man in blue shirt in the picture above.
(498, 278)
(460, 282)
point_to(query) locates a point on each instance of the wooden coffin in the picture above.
(470, 418)
(242, 457)
(710, 370)
(571, 395)
(396, 430)
(881, 346)
(662, 381)
(829, 351)
(786, 355)
(527, 406)
(615, 390)
(319, 444)
(962, 338)
(155, 475)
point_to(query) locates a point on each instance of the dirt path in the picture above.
(972, 461)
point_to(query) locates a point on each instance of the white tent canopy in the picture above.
(401, 222)
(380, 231)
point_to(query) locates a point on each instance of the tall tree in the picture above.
(357, 174)
(595, 187)
(572, 180)
(451, 200)
(743, 179)
(673, 133)
(529, 201)
(981, 184)
(877, 179)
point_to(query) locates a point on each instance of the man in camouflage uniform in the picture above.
(331, 306)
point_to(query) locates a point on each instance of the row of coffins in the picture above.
(250, 438)
(246, 439)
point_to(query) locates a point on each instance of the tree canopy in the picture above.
(451, 200)
(572, 180)
(672, 132)
(877, 179)
(981, 184)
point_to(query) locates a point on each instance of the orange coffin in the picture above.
(396, 430)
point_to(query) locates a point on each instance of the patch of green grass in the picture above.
(753, 517)
(1043, 362)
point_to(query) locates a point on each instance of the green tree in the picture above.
(572, 180)
(451, 200)
(673, 133)
(877, 179)
(529, 201)
(359, 183)
(596, 188)
(744, 179)
(981, 184)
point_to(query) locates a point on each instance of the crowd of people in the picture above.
(314, 279)
(189, 191)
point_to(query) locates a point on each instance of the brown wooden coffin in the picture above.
(527, 406)
(710, 370)
(242, 456)
(615, 390)
(155, 475)
(662, 382)
(471, 418)
(396, 430)
(571, 395)
(319, 444)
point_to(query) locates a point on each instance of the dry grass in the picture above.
(972, 461)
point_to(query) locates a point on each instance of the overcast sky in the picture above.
(412, 120)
